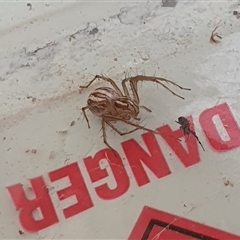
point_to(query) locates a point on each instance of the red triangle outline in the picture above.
(147, 214)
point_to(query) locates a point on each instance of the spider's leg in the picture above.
(118, 131)
(134, 80)
(159, 79)
(125, 90)
(109, 80)
(87, 107)
(138, 126)
(133, 124)
(147, 109)
(85, 115)
(105, 137)
(146, 129)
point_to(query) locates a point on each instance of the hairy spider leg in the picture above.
(127, 94)
(118, 131)
(105, 139)
(104, 134)
(134, 80)
(147, 109)
(109, 80)
(85, 115)
(115, 118)
(87, 107)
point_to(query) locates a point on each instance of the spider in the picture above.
(111, 104)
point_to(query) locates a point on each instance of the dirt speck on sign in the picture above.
(32, 151)
(50, 44)
(72, 123)
(30, 6)
(237, 14)
(227, 182)
(52, 155)
(93, 31)
(63, 132)
(214, 34)
(33, 98)
(169, 3)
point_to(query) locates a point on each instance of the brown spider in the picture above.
(111, 104)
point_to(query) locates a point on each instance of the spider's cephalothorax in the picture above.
(111, 104)
(126, 108)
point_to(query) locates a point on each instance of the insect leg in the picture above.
(187, 137)
(195, 135)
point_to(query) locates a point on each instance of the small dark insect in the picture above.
(185, 126)
(20, 232)
(33, 98)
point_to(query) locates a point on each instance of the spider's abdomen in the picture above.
(101, 99)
